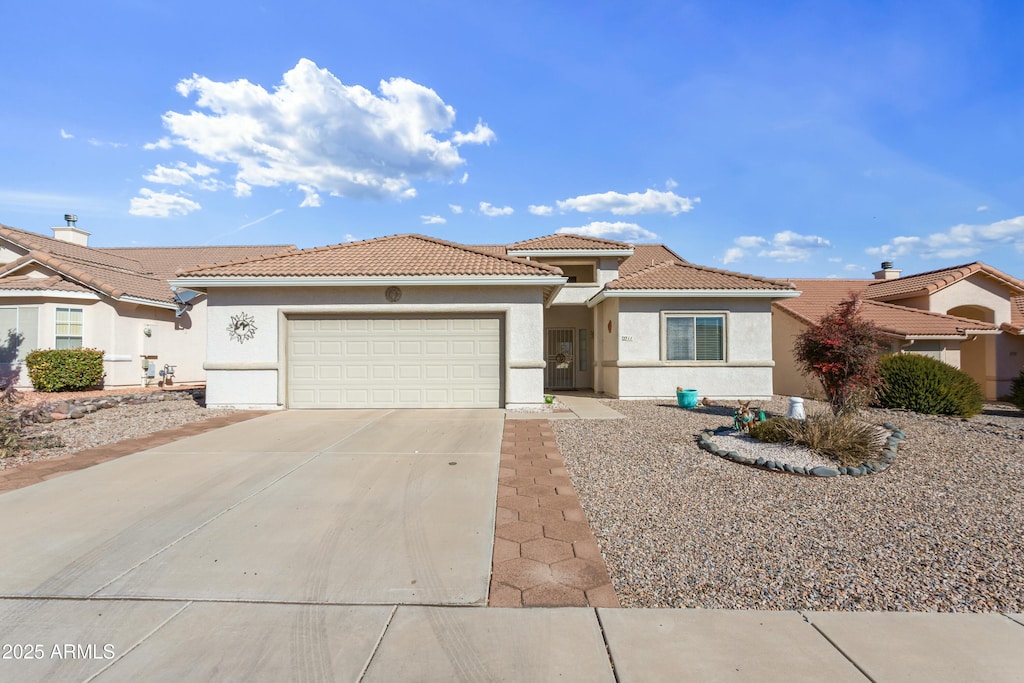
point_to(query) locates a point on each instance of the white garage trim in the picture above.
(394, 361)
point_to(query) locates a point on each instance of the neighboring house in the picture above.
(969, 316)
(61, 293)
(413, 321)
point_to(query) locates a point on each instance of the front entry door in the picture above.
(560, 352)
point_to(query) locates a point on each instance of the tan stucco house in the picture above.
(970, 316)
(414, 321)
(58, 292)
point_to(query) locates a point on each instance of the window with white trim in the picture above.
(693, 337)
(19, 332)
(69, 329)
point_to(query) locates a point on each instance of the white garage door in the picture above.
(394, 363)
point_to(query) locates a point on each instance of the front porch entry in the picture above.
(560, 355)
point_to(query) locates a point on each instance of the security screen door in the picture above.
(560, 372)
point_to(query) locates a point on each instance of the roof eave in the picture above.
(148, 302)
(691, 294)
(48, 294)
(206, 282)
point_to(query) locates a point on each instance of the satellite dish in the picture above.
(183, 301)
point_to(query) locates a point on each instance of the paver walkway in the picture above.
(545, 554)
(41, 470)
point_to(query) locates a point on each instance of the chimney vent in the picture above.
(71, 232)
(887, 272)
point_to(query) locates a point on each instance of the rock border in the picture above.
(886, 458)
(73, 409)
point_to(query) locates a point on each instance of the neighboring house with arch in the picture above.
(58, 292)
(970, 316)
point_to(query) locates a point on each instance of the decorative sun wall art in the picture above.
(242, 327)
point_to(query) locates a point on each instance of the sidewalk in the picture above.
(172, 640)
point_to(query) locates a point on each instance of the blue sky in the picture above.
(795, 139)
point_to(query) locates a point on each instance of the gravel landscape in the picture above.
(109, 425)
(940, 530)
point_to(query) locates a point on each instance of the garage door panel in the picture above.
(400, 362)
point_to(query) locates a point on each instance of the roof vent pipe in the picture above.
(886, 265)
(71, 218)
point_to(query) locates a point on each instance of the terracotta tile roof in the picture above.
(645, 255)
(25, 283)
(819, 297)
(934, 280)
(494, 249)
(396, 255)
(135, 272)
(670, 275)
(1016, 324)
(166, 261)
(114, 282)
(564, 241)
(66, 250)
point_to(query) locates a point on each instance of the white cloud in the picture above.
(541, 210)
(980, 208)
(620, 231)
(242, 189)
(183, 174)
(464, 179)
(959, 241)
(313, 131)
(433, 220)
(733, 254)
(786, 247)
(161, 204)
(162, 143)
(651, 201)
(835, 259)
(671, 184)
(104, 143)
(312, 199)
(852, 268)
(351, 238)
(488, 210)
(66, 135)
(455, 208)
(480, 135)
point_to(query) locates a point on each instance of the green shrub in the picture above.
(772, 430)
(1016, 396)
(929, 386)
(65, 369)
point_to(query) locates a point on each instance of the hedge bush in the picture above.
(926, 385)
(1017, 391)
(65, 369)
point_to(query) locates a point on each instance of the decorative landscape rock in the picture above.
(886, 457)
(74, 409)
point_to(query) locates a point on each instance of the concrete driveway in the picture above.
(354, 507)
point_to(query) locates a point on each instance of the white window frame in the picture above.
(56, 322)
(724, 315)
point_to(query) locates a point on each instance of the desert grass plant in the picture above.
(926, 385)
(842, 438)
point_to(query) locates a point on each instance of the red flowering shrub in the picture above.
(842, 352)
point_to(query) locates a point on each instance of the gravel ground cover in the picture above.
(940, 530)
(112, 425)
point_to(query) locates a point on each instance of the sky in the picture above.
(783, 139)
